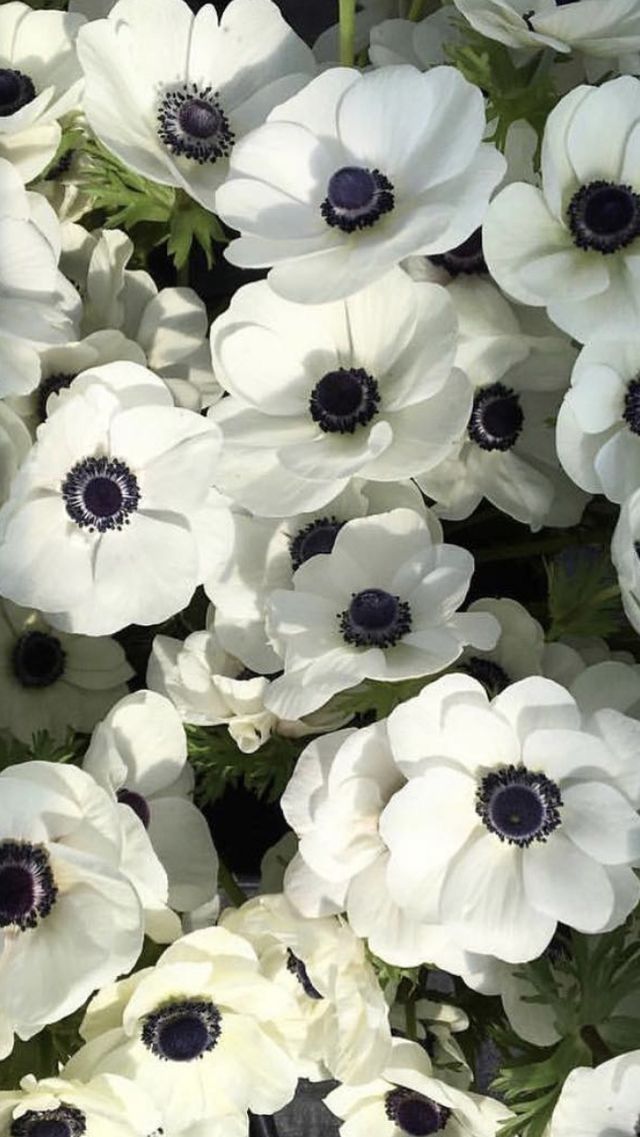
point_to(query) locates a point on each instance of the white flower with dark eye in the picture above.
(50, 680)
(60, 884)
(516, 815)
(263, 554)
(55, 1107)
(518, 653)
(102, 525)
(346, 1031)
(209, 687)
(170, 92)
(169, 326)
(139, 753)
(519, 368)
(625, 554)
(572, 246)
(382, 605)
(598, 426)
(408, 1099)
(319, 395)
(201, 1032)
(355, 173)
(40, 81)
(37, 304)
(600, 1101)
(602, 30)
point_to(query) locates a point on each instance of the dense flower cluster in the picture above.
(254, 528)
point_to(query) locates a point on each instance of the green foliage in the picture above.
(42, 1054)
(42, 748)
(151, 213)
(218, 763)
(513, 92)
(584, 597)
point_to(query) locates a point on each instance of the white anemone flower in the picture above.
(170, 326)
(333, 802)
(420, 43)
(519, 652)
(40, 81)
(56, 1105)
(324, 965)
(572, 246)
(70, 920)
(200, 1032)
(37, 304)
(208, 687)
(600, 1101)
(517, 815)
(50, 680)
(598, 425)
(626, 557)
(103, 525)
(436, 1024)
(139, 754)
(263, 554)
(603, 30)
(363, 387)
(520, 368)
(355, 173)
(408, 1099)
(60, 365)
(170, 93)
(381, 605)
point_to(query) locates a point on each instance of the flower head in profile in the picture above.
(572, 246)
(170, 92)
(382, 605)
(101, 527)
(603, 30)
(355, 173)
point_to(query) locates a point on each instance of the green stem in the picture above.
(228, 882)
(598, 1048)
(347, 32)
(416, 10)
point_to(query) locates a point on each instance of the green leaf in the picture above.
(218, 763)
(190, 222)
(38, 1056)
(620, 1033)
(584, 597)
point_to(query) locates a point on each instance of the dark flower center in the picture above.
(297, 968)
(344, 399)
(16, 90)
(183, 1030)
(631, 413)
(37, 659)
(493, 677)
(375, 618)
(64, 1121)
(27, 888)
(518, 805)
(466, 258)
(51, 386)
(604, 216)
(356, 198)
(496, 417)
(415, 1113)
(318, 536)
(192, 124)
(137, 803)
(100, 493)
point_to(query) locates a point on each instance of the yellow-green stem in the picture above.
(416, 10)
(230, 885)
(347, 32)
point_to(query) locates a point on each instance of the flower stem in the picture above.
(598, 1048)
(228, 882)
(416, 10)
(347, 32)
